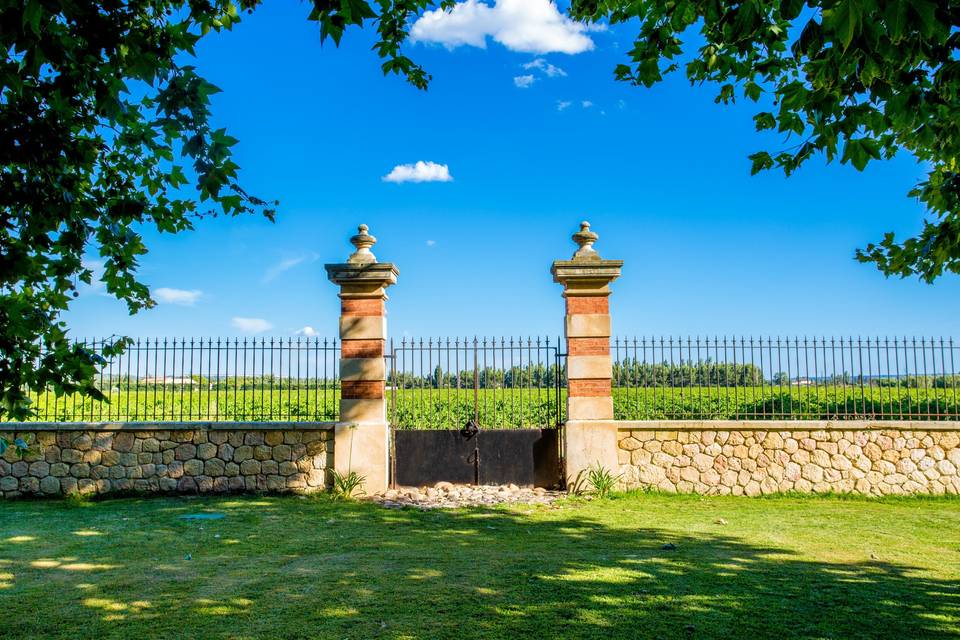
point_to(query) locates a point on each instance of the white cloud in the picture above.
(251, 325)
(182, 297)
(430, 243)
(96, 278)
(285, 265)
(523, 82)
(586, 104)
(419, 172)
(306, 331)
(532, 26)
(548, 69)
(563, 104)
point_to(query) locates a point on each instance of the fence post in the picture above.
(362, 437)
(590, 435)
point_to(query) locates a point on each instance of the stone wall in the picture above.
(754, 458)
(167, 457)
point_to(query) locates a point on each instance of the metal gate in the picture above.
(480, 410)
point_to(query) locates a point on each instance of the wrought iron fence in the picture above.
(521, 382)
(497, 382)
(786, 378)
(215, 379)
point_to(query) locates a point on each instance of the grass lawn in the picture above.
(291, 567)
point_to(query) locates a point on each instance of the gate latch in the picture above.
(470, 429)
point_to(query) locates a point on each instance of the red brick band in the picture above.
(593, 388)
(362, 389)
(587, 304)
(362, 307)
(588, 346)
(361, 349)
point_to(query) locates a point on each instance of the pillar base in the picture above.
(588, 443)
(364, 448)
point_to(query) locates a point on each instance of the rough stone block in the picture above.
(185, 452)
(50, 485)
(269, 467)
(193, 467)
(249, 467)
(206, 450)
(123, 441)
(214, 467)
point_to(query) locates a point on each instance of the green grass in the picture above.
(504, 408)
(312, 568)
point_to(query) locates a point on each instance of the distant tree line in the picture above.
(632, 372)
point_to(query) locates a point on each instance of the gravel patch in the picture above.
(445, 495)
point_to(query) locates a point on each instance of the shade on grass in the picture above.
(311, 568)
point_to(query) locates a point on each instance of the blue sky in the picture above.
(661, 174)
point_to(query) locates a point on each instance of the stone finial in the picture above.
(362, 241)
(585, 239)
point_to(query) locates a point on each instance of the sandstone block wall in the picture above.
(182, 460)
(843, 457)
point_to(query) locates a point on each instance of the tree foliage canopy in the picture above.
(103, 129)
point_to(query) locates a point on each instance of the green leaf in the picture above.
(844, 20)
(926, 11)
(859, 151)
(32, 12)
(895, 17)
(764, 120)
(790, 9)
(759, 162)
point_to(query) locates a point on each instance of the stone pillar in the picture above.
(361, 441)
(590, 435)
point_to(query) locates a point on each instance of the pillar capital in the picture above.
(586, 273)
(361, 276)
(363, 281)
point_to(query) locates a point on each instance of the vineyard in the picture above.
(522, 382)
(422, 408)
